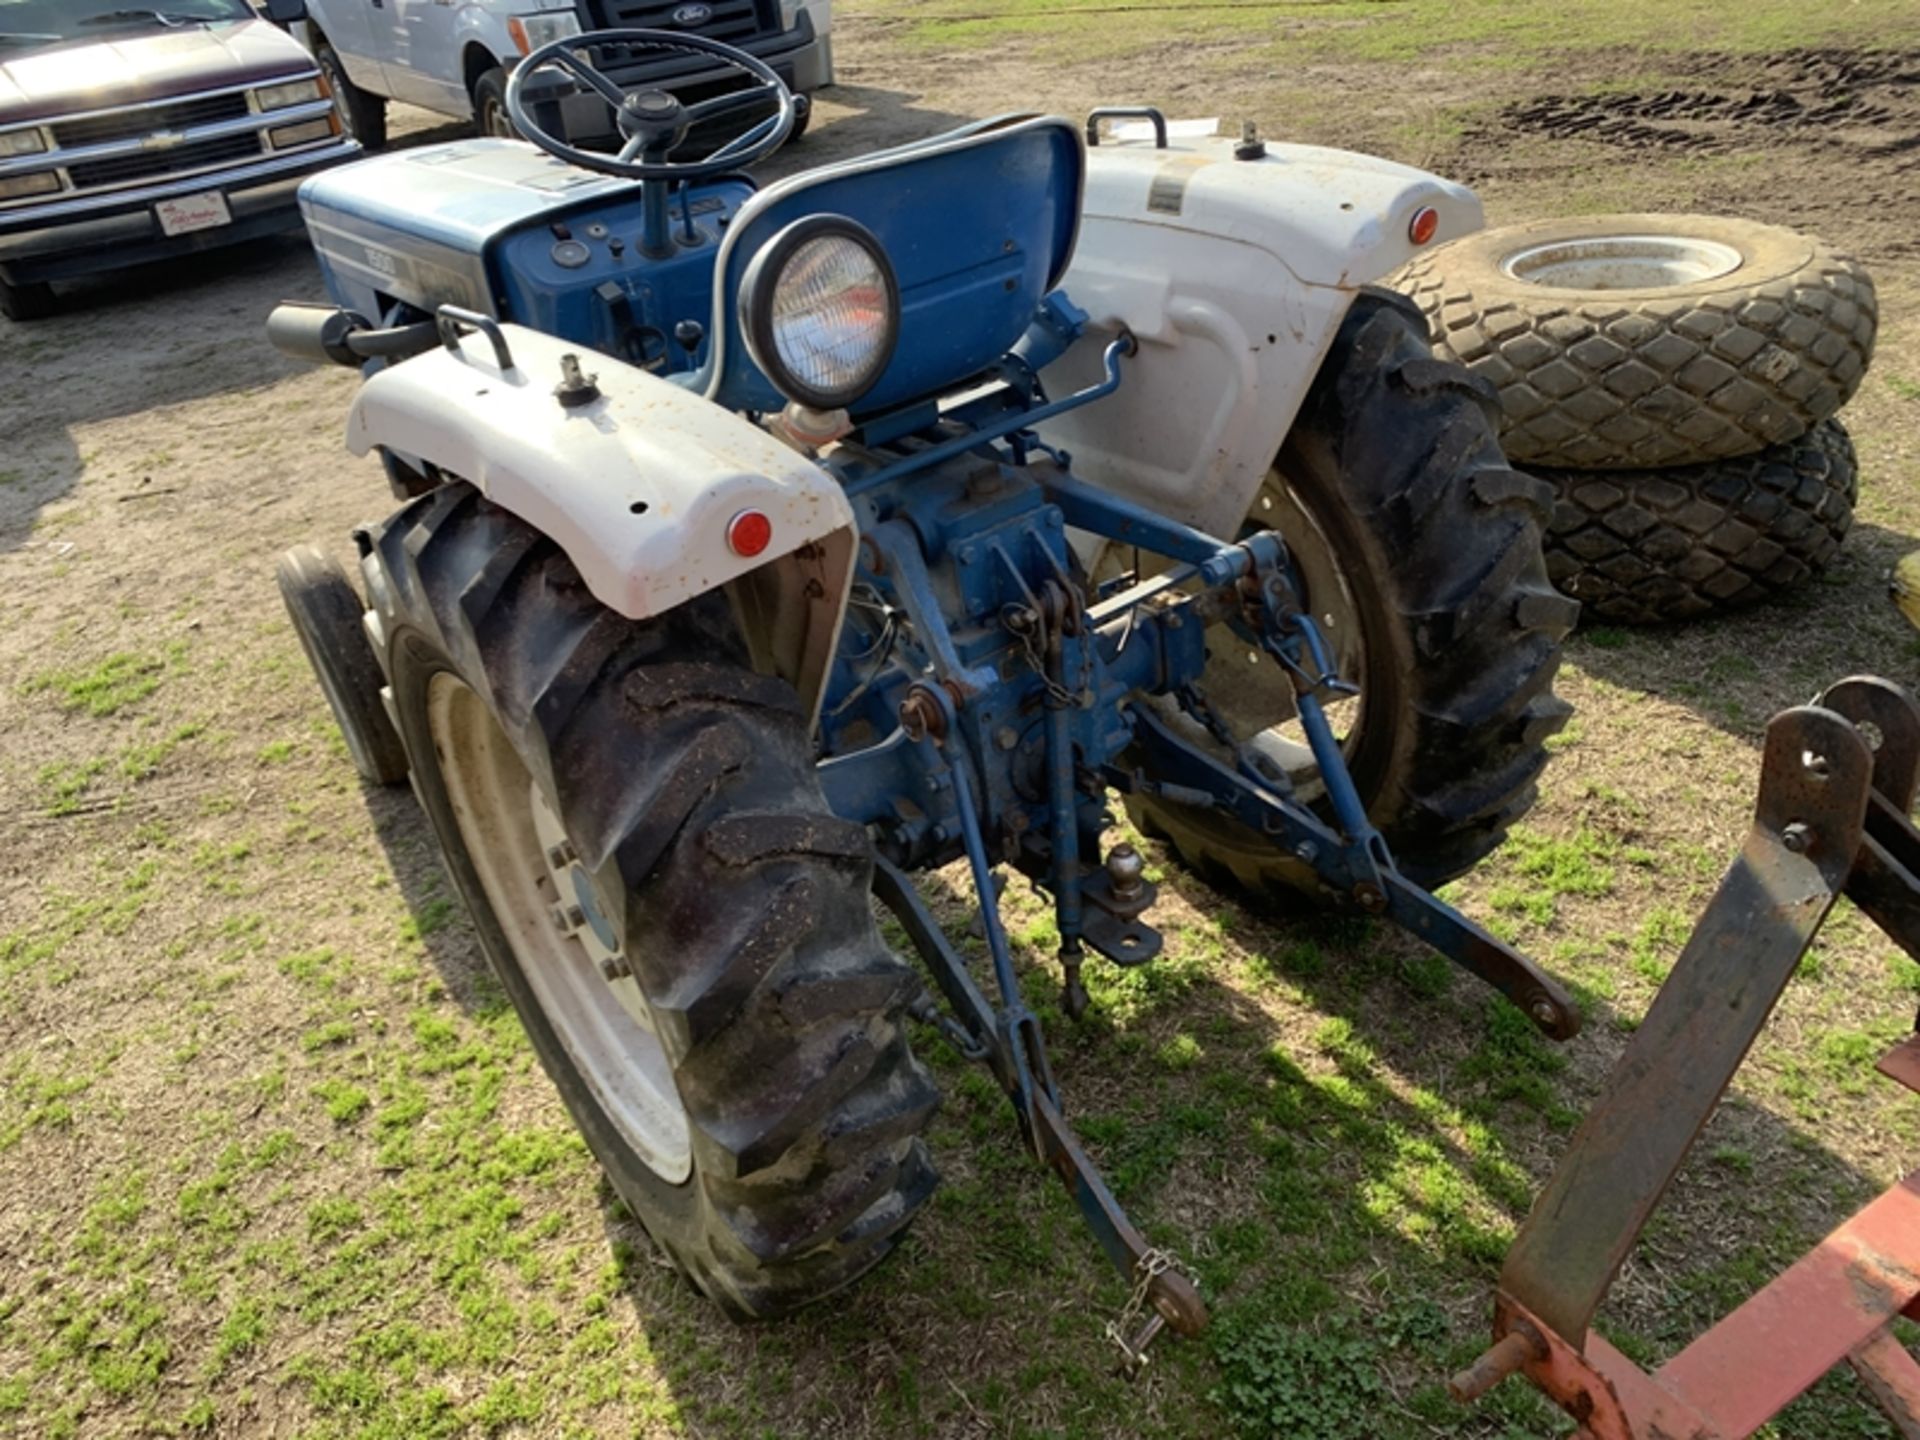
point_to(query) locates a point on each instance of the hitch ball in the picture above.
(1126, 869)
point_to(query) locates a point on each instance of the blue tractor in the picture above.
(759, 547)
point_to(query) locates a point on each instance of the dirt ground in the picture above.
(275, 1158)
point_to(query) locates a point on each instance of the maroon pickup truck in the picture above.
(128, 134)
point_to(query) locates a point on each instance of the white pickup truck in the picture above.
(453, 56)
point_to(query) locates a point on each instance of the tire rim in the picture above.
(337, 83)
(1247, 688)
(495, 121)
(1622, 262)
(543, 901)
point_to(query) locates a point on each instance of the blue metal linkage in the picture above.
(1018, 420)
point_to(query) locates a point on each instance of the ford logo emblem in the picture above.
(691, 15)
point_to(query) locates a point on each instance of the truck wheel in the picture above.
(490, 115)
(1630, 341)
(633, 818)
(21, 303)
(1641, 546)
(363, 113)
(1419, 552)
(326, 615)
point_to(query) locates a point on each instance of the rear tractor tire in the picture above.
(633, 818)
(1419, 550)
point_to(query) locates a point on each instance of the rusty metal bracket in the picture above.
(1837, 782)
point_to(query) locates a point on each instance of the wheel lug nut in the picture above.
(560, 856)
(615, 967)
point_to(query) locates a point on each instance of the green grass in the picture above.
(1479, 32)
(284, 1159)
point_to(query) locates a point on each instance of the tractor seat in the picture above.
(979, 224)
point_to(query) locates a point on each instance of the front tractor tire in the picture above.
(633, 819)
(1419, 550)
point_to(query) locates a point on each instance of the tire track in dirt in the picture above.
(1843, 126)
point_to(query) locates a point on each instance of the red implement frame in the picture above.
(1836, 788)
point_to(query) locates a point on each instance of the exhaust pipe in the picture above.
(326, 334)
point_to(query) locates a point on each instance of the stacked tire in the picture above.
(1676, 379)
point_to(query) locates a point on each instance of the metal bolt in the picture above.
(615, 967)
(1369, 897)
(1306, 852)
(1796, 837)
(1545, 1012)
(559, 856)
(575, 917)
(1006, 737)
(966, 554)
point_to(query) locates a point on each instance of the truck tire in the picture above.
(1635, 341)
(490, 115)
(21, 303)
(634, 794)
(1637, 547)
(326, 614)
(363, 113)
(1419, 550)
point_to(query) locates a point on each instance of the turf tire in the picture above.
(1394, 453)
(1636, 378)
(686, 784)
(1637, 547)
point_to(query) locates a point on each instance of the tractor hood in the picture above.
(129, 69)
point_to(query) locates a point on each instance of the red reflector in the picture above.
(749, 532)
(1426, 221)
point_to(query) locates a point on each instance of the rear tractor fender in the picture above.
(655, 494)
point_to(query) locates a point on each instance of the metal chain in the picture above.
(1148, 1268)
(1032, 637)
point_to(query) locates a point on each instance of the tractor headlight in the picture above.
(820, 310)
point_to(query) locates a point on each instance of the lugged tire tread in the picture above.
(1606, 379)
(1640, 547)
(1467, 577)
(687, 783)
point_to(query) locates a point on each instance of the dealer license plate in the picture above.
(184, 214)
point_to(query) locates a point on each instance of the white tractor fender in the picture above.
(640, 486)
(1234, 275)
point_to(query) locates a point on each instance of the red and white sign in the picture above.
(186, 213)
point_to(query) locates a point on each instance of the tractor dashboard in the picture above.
(496, 227)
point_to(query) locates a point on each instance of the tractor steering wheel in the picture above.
(652, 122)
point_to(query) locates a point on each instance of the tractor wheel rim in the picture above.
(1622, 262)
(510, 834)
(1251, 692)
